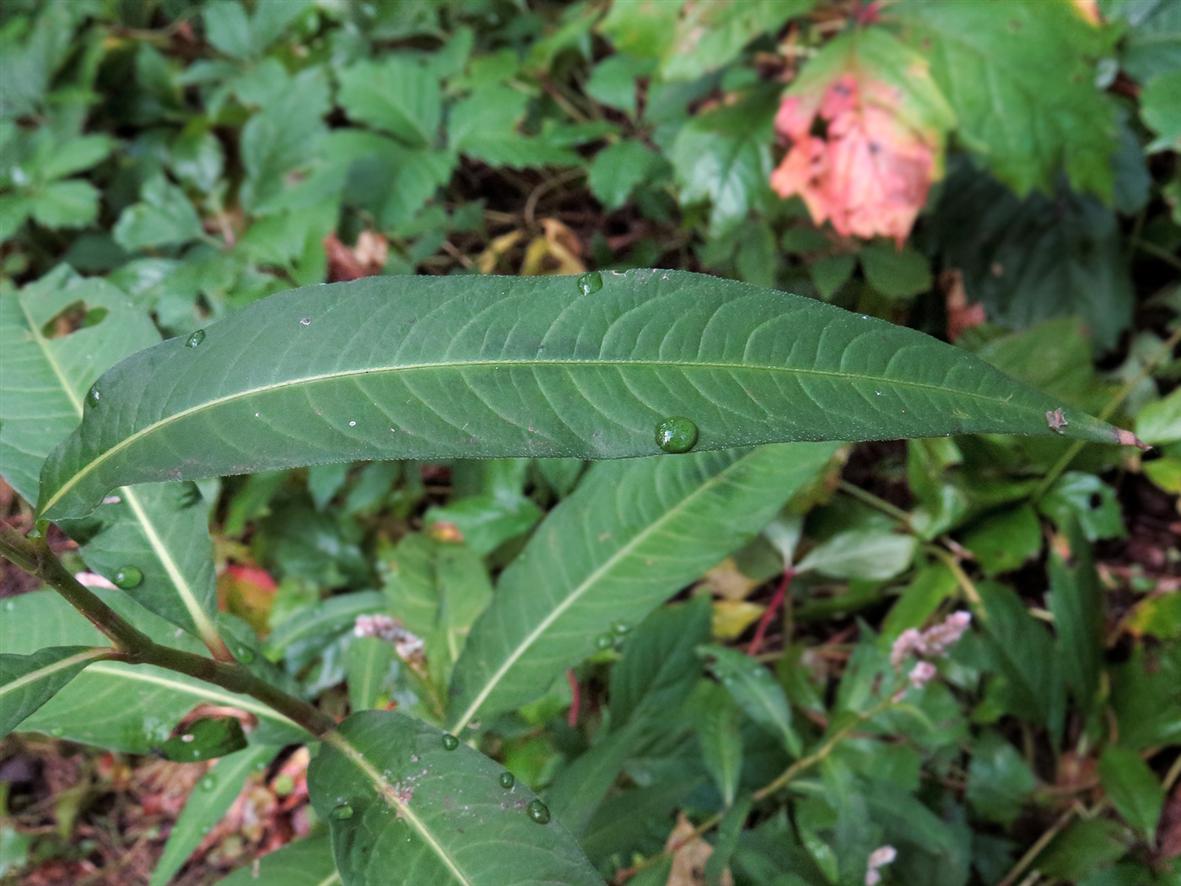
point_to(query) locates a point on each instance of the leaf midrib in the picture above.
(147, 430)
(48, 670)
(587, 583)
(390, 796)
(188, 599)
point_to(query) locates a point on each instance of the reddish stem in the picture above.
(769, 614)
(576, 698)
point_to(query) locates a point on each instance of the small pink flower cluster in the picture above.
(406, 644)
(931, 643)
(878, 859)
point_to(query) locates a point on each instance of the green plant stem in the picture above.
(1108, 410)
(132, 646)
(875, 502)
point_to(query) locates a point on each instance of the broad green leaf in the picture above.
(1153, 43)
(708, 35)
(129, 708)
(631, 535)
(65, 204)
(164, 217)
(367, 665)
(720, 735)
(397, 799)
(210, 799)
(755, 689)
(395, 95)
(326, 618)
(1006, 540)
(463, 367)
(28, 681)
(1134, 790)
(898, 273)
(306, 862)
(160, 530)
(618, 169)
(999, 779)
(1019, 75)
(1159, 422)
(1160, 109)
(484, 126)
(205, 739)
(724, 156)
(579, 788)
(644, 28)
(1084, 498)
(867, 554)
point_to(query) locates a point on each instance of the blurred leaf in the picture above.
(1159, 422)
(1086, 846)
(367, 662)
(644, 28)
(1146, 696)
(1157, 616)
(65, 204)
(708, 35)
(1153, 43)
(395, 95)
(1160, 109)
(930, 586)
(1005, 540)
(304, 862)
(866, 554)
(999, 779)
(729, 833)
(613, 82)
(898, 273)
(618, 169)
(205, 739)
(164, 217)
(830, 273)
(1086, 498)
(1133, 789)
(484, 126)
(755, 690)
(1076, 601)
(1022, 88)
(720, 736)
(368, 783)
(210, 799)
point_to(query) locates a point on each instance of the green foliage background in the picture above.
(164, 164)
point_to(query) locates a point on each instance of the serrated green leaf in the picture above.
(159, 530)
(75, 155)
(397, 799)
(617, 170)
(1133, 789)
(129, 708)
(395, 95)
(65, 204)
(306, 862)
(28, 681)
(1019, 76)
(379, 368)
(209, 800)
(755, 689)
(631, 535)
(708, 35)
(163, 217)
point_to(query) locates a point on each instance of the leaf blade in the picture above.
(308, 377)
(28, 681)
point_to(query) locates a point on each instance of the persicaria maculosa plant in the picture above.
(691, 391)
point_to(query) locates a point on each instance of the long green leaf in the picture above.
(212, 796)
(402, 806)
(159, 530)
(130, 708)
(454, 367)
(306, 862)
(631, 535)
(28, 681)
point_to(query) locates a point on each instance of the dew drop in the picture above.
(342, 812)
(195, 339)
(305, 321)
(621, 627)
(676, 434)
(208, 783)
(604, 641)
(128, 577)
(507, 780)
(246, 655)
(352, 423)
(94, 395)
(450, 742)
(538, 811)
(590, 283)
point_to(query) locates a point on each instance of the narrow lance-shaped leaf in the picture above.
(633, 533)
(306, 862)
(130, 708)
(405, 800)
(28, 681)
(477, 367)
(156, 536)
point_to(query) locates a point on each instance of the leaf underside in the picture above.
(482, 367)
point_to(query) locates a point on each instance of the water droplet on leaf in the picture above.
(450, 742)
(538, 811)
(94, 395)
(676, 434)
(342, 811)
(195, 339)
(246, 655)
(208, 783)
(507, 780)
(305, 321)
(590, 283)
(604, 641)
(128, 577)
(620, 627)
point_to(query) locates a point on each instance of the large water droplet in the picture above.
(94, 395)
(195, 339)
(128, 577)
(620, 628)
(538, 811)
(208, 783)
(450, 742)
(590, 283)
(305, 321)
(507, 780)
(604, 641)
(676, 434)
(246, 655)
(342, 812)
